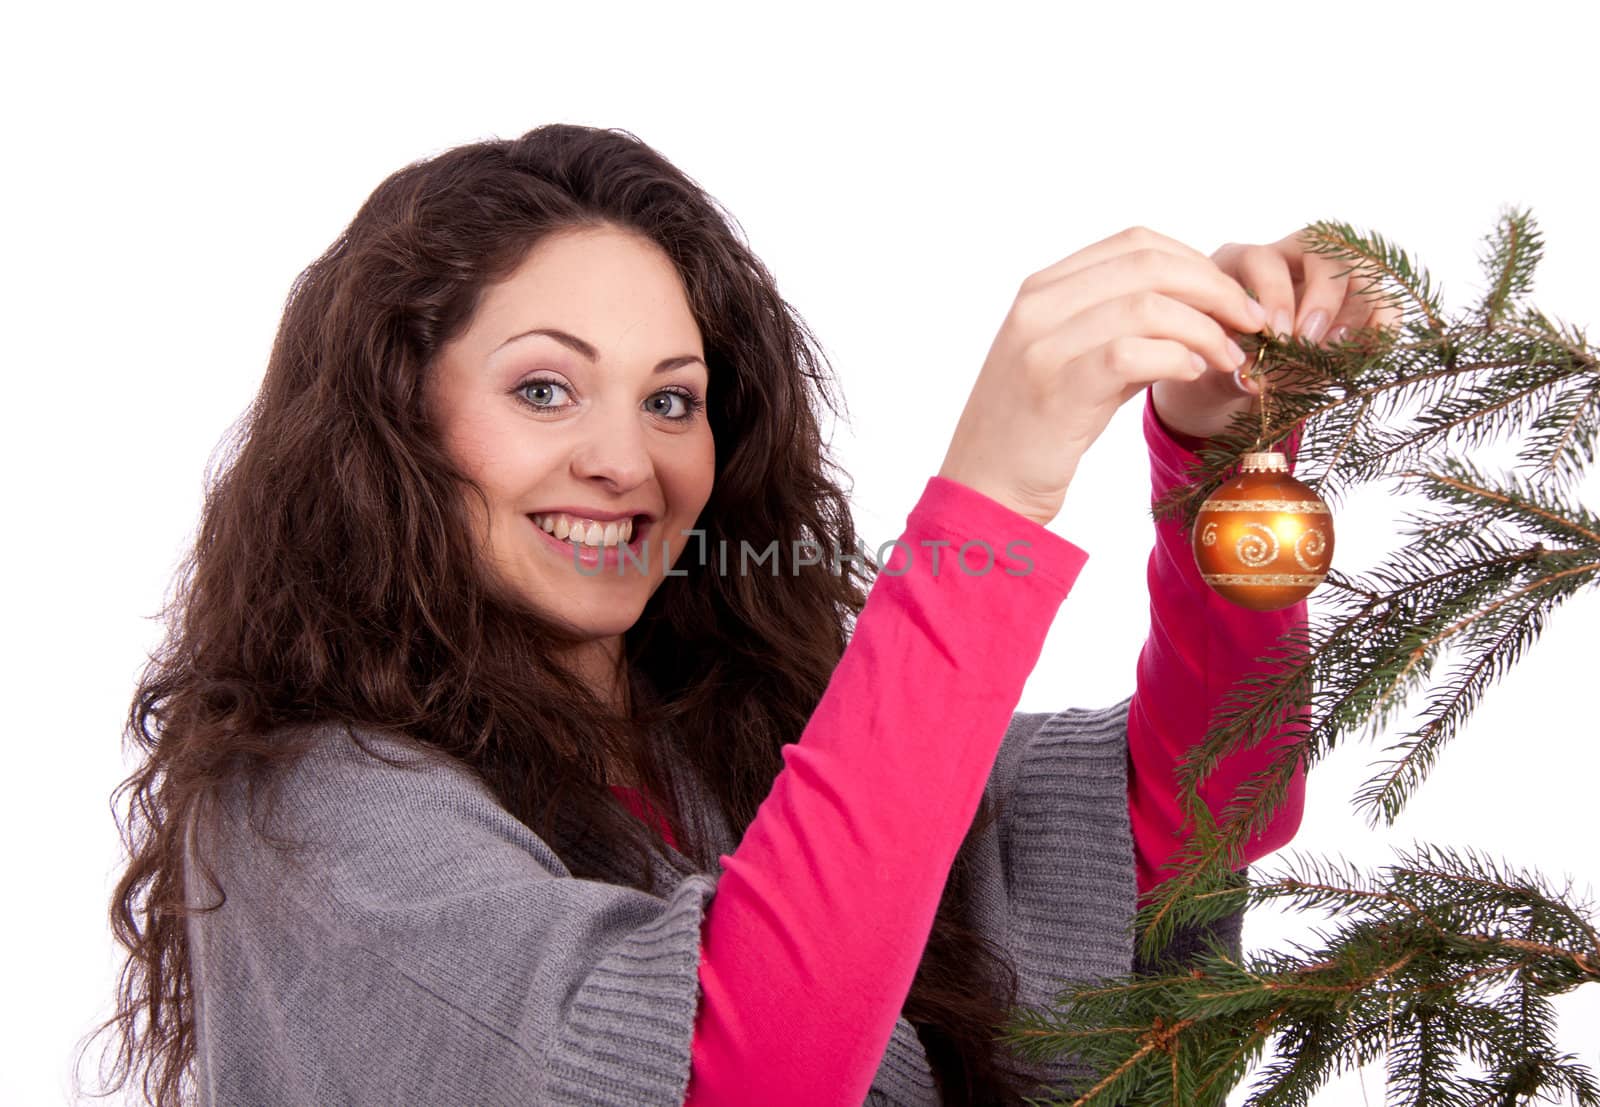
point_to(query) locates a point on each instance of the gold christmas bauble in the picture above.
(1263, 540)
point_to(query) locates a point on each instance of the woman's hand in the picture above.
(1303, 295)
(1082, 338)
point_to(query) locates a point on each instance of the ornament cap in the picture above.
(1265, 461)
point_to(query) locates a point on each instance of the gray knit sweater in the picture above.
(428, 865)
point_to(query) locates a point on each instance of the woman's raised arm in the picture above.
(1199, 645)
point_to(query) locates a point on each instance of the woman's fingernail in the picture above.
(1258, 314)
(1337, 335)
(1315, 324)
(1235, 353)
(1281, 323)
(1238, 380)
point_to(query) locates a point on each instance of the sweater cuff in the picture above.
(623, 1040)
(1070, 830)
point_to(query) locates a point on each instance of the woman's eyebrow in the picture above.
(573, 342)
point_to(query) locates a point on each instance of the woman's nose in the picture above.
(614, 450)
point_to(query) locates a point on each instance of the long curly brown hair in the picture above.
(334, 576)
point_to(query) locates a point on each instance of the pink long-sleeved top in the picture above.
(889, 786)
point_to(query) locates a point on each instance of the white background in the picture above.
(900, 169)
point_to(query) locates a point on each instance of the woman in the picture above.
(478, 769)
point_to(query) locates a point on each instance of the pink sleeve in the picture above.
(1199, 645)
(823, 911)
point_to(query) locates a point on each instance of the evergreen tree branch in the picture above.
(1443, 958)
(1515, 248)
(1562, 439)
(1393, 278)
(1386, 795)
(1404, 978)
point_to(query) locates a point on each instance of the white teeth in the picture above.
(588, 532)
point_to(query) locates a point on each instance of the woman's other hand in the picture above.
(1082, 338)
(1303, 293)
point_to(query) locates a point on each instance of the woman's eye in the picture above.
(533, 389)
(662, 404)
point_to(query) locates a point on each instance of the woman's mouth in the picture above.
(601, 556)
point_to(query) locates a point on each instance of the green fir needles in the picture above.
(1440, 958)
(1443, 960)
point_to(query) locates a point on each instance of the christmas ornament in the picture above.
(1263, 540)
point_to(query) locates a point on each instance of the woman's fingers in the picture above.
(1353, 316)
(1134, 362)
(1141, 317)
(1265, 271)
(1132, 240)
(1195, 281)
(1082, 338)
(1330, 284)
(1323, 294)
(1381, 312)
(1362, 310)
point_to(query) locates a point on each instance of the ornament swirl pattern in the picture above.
(1311, 544)
(1257, 548)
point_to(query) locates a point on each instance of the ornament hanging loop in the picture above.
(1263, 540)
(1259, 376)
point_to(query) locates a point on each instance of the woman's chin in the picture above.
(601, 621)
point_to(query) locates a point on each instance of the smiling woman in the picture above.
(383, 850)
(630, 443)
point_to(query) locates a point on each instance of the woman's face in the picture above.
(584, 434)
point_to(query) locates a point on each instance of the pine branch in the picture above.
(1387, 793)
(1443, 959)
(1515, 248)
(1382, 404)
(1561, 440)
(1393, 279)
